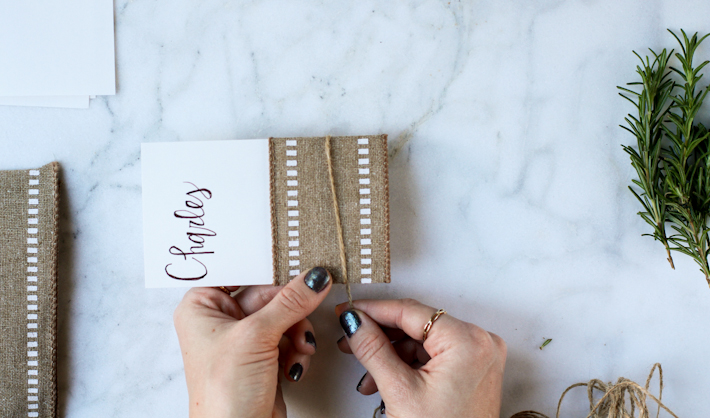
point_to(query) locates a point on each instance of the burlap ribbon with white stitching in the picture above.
(28, 292)
(303, 220)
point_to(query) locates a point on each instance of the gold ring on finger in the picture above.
(429, 324)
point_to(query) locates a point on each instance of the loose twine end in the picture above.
(341, 242)
(380, 408)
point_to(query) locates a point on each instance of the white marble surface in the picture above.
(508, 185)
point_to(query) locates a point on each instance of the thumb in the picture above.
(298, 299)
(374, 350)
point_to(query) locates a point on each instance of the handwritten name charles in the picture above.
(192, 268)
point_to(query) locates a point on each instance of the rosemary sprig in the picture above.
(673, 156)
(687, 158)
(653, 106)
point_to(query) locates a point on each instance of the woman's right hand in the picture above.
(456, 372)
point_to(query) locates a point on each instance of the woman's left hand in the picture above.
(232, 348)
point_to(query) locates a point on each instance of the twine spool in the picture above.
(615, 399)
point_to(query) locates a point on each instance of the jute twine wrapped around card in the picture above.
(310, 191)
(28, 291)
(625, 398)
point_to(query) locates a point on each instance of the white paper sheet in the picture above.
(57, 48)
(206, 213)
(69, 102)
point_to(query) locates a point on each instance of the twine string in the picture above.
(616, 397)
(380, 408)
(341, 243)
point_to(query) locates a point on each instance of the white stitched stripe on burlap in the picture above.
(32, 340)
(292, 193)
(365, 274)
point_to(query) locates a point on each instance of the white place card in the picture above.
(206, 213)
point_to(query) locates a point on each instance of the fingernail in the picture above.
(317, 279)
(296, 371)
(310, 339)
(350, 322)
(382, 407)
(359, 384)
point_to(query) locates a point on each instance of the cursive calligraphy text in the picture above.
(192, 268)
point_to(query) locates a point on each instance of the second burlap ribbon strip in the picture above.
(28, 292)
(303, 217)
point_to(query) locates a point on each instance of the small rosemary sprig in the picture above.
(653, 106)
(672, 159)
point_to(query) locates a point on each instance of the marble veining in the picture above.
(508, 185)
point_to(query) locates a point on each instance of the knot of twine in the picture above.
(341, 243)
(613, 404)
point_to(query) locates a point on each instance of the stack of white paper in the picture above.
(56, 53)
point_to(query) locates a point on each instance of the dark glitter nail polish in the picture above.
(382, 407)
(310, 339)
(317, 279)
(359, 384)
(296, 371)
(350, 322)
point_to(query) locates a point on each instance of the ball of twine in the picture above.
(625, 398)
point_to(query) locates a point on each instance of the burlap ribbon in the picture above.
(28, 292)
(304, 226)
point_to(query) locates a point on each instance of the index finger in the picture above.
(408, 315)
